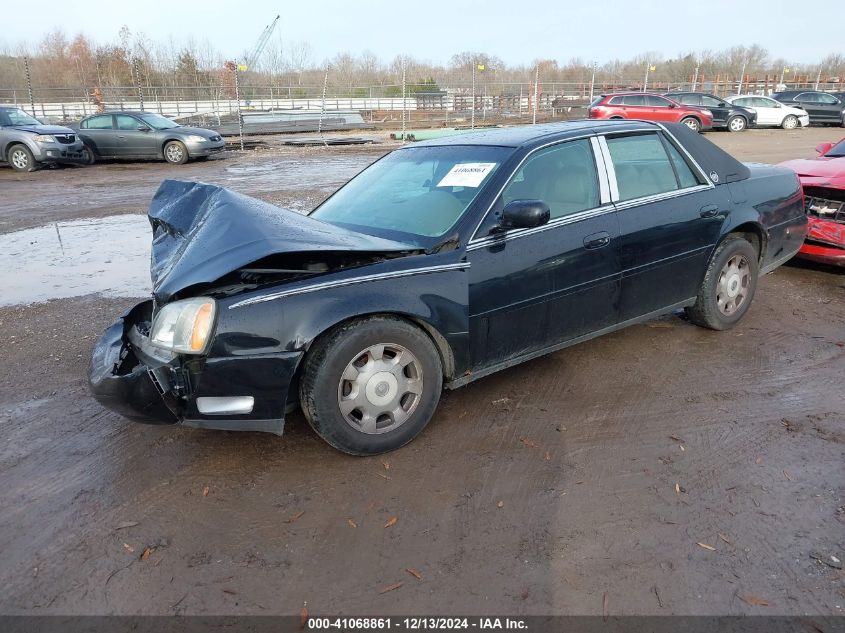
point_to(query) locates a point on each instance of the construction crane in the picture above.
(250, 60)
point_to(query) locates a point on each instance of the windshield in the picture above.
(418, 191)
(17, 117)
(837, 151)
(158, 122)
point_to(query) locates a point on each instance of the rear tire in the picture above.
(371, 385)
(790, 122)
(737, 124)
(176, 153)
(20, 158)
(728, 286)
(692, 123)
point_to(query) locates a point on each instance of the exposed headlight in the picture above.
(195, 138)
(43, 138)
(184, 326)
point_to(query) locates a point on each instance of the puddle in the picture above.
(317, 173)
(108, 256)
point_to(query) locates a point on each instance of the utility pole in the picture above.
(695, 77)
(403, 99)
(645, 81)
(818, 78)
(742, 76)
(593, 81)
(536, 92)
(472, 115)
(29, 84)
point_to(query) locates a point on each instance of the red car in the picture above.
(650, 107)
(823, 179)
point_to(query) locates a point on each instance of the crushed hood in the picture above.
(202, 232)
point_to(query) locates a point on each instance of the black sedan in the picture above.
(823, 107)
(138, 135)
(726, 116)
(441, 263)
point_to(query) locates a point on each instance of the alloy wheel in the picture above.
(174, 153)
(19, 159)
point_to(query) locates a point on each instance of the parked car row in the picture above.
(25, 143)
(703, 111)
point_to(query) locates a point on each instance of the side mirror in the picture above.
(823, 148)
(722, 104)
(143, 128)
(525, 214)
(673, 105)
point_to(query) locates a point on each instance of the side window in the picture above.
(100, 122)
(689, 99)
(635, 100)
(760, 102)
(563, 176)
(656, 102)
(643, 167)
(616, 101)
(807, 97)
(686, 177)
(126, 122)
(828, 99)
(744, 102)
(710, 101)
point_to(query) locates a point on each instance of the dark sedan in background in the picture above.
(439, 264)
(823, 107)
(145, 135)
(726, 116)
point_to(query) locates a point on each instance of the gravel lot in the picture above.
(664, 469)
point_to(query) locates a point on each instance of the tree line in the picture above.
(82, 66)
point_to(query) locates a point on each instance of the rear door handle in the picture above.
(597, 240)
(708, 210)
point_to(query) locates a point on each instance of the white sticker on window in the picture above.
(466, 175)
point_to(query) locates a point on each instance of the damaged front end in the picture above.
(825, 242)
(183, 357)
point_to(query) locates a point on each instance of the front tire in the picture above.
(176, 153)
(88, 156)
(20, 158)
(692, 123)
(371, 385)
(728, 286)
(790, 122)
(737, 124)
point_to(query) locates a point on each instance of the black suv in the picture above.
(823, 107)
(726, 116)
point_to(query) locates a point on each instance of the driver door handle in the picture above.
(708, 210)
(597, 240)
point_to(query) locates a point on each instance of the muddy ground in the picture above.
(663, 469)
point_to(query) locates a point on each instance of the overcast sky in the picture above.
(433, 30)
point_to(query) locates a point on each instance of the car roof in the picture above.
(521, 135)
(132, 112)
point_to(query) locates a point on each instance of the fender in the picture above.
(432, 292)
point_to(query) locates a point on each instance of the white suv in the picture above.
(771, 113)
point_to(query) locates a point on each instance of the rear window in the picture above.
(101, 122)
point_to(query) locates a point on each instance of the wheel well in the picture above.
(170, 140)
(616, 117)
(444, 350)
(753, 234)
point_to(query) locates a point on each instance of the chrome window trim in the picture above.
(500, 238)
(611, 169)
(475, 238)
(601, 168)
(338, 283)
(659, 197)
